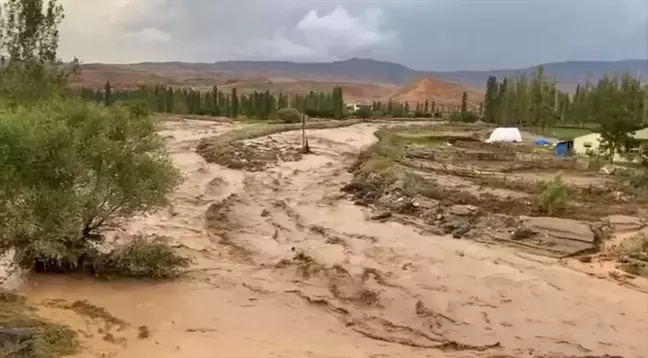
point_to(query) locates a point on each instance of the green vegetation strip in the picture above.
(43, 339)
(211, 148)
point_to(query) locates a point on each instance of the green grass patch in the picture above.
(563, 133)
(87, 309)
(49, 340)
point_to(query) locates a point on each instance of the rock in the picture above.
(381, 215)
(607, 169)
(458, 228)
(449, 227)
(265, 213)
(562, 236)
(624, 223)
(17, 342)
(461, 230)
(433, 230)
(463, 210)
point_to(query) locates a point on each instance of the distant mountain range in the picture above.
(365, 70)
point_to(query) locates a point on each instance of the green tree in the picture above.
(490, 99)
(107, 94)
(235, 104)
(289, 115)
(616, 115)
(363, 112)
(71, 169)
(338, 102)
(464, 104)
(29, 37)
(75, 169)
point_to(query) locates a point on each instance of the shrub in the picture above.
(554, 195)
(71, 170)
(289, 115)
(142, 257)
(137, 108)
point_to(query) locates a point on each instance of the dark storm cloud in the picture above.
(435, 34)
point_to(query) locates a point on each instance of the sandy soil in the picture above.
(287, 267)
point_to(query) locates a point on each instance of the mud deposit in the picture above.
(287, 266)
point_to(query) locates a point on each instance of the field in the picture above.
(517, 194)
(559, 132)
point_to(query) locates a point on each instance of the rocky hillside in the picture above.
(365, 70)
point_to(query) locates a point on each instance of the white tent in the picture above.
(503, 134)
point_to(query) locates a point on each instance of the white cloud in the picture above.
(151, 35)
(280, 48)
(421, 34)
(110, 31)
(147, 30)
(340, 30)
(335, 35)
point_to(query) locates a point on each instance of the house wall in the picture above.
(352, 107)
(641, 134)
(594, 140)
(580, 143)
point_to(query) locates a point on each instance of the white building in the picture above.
(587, 142)
(592, 142)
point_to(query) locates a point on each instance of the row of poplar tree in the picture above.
(260, 105)
(428, 108)
(536, 101)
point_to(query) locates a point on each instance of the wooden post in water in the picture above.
(305, 147)
(304, 132)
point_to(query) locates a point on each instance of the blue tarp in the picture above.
(564, 148)
(542, 141)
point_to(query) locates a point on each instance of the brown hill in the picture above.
(96, 75)
(185, 75)
(442, 92)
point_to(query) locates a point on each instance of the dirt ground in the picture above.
(288, 266)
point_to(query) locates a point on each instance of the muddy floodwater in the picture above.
(287, 266)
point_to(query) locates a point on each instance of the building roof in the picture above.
(641, 134)
(588, 136)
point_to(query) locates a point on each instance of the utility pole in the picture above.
(305, 148)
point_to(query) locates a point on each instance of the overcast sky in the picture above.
(423, 34)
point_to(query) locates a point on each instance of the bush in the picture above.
(289, 115)
(137, 108)
(142, 257)
(554, 195)
(70, 170)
